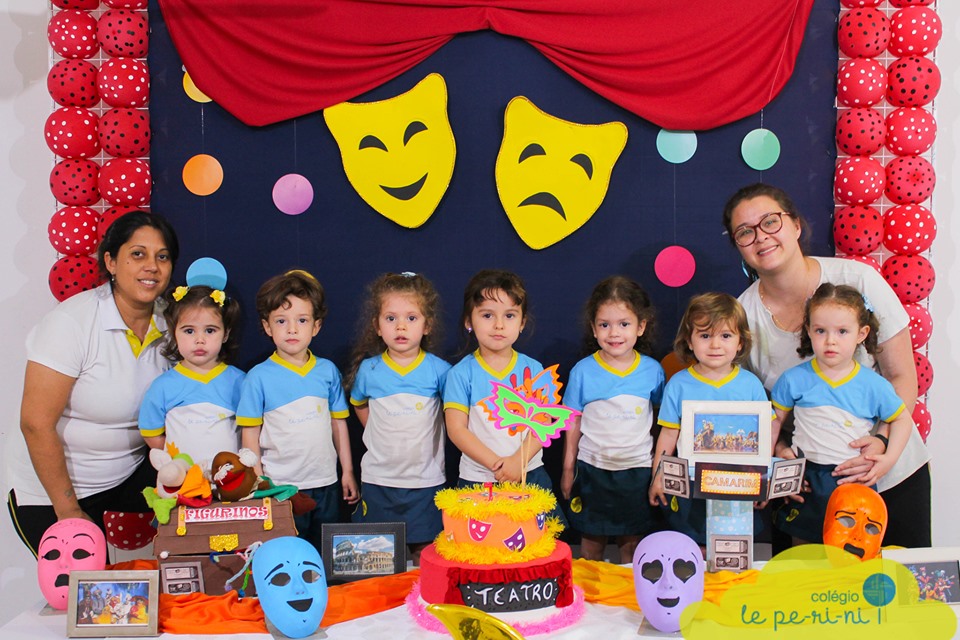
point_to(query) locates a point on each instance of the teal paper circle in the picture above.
(879, 589)
(676, 146)
(760, 149)
(208, 272)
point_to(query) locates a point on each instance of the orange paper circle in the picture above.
(202, 174)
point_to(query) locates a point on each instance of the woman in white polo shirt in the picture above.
(89, 362)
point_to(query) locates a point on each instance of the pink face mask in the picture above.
(68, 545)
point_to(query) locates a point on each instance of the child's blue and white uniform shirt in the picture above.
(468, 382)
(739, 385)
(404, 434)
(617, 411)
(295, 406)
(829, 415)
(196, 412)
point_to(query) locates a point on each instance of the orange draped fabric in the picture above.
(602, 583)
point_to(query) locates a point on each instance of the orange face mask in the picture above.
(856, 520)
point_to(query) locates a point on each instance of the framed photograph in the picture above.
(355, 551)
(786, 478)
(725, 431)
(104, 604)
(936, 570)
(676, 482)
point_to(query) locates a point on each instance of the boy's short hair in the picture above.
(301, 284)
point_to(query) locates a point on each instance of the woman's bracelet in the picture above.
(884, 440)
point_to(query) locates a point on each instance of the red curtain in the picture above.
(681, 64)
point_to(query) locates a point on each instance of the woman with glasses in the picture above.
(766, 228)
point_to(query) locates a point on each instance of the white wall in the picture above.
(26, 256)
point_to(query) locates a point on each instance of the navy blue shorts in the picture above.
(611, 503)
(414, 507)
(327, 511)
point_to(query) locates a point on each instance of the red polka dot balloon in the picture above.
(126, 4)
(71, 132)
(863, 33)
(911, 277)
(858, 180)
(73, 34)
(125, 133)
(124, 82)
(72, 274)
(867, 260)
(125, 181)
(853, 4)
(857, 230)
(908, 229)
(109, 216)
(912, 82)
(74, 182)
(73, 83)
(861, 82)
(123, 33)
(923, 419)
(921, 324)
(910, 180)
(73, 231)
(910, 3)
(910, 131)
(914, 31)
(860, 132)
(87, 5)
(924, 373)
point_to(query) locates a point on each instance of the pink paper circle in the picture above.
(293, 194)
(675, 266)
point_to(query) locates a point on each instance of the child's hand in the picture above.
(656, 494)
(351, 494)
(566, 483)
(881, 465)
(511, 469)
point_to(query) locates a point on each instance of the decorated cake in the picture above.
(498, 552)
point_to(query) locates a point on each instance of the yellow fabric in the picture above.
(153, 334)
(612, 585)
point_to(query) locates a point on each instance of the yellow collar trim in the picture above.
(153, 334)
(835, 383)
(390, 362)
(300, 371)
(203, 378)
(716, 383)
(499, 375)
(617, 372)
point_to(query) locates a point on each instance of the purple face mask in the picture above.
(68, 545)
(668, 575)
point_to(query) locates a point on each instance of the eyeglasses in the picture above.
(770, 223)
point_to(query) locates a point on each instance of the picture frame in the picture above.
(786, 478)
(366, 550)
(724, 431)
(731, 553)
(181, 578)
(104, 604)
(937, 570)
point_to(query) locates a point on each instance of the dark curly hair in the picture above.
(199, 296)
(624, 290)
(845, 296)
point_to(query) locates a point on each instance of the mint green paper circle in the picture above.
(760, 149)
(676, 146)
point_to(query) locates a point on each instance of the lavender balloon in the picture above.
(668, 575)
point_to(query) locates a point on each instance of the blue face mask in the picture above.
(291, 585)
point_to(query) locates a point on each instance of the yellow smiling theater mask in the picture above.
(398, 153)
(552, 175)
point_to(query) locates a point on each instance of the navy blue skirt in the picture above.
(611, 503)
(414, 507)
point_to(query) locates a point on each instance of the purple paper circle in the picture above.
(293, 194)
(675, 266)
